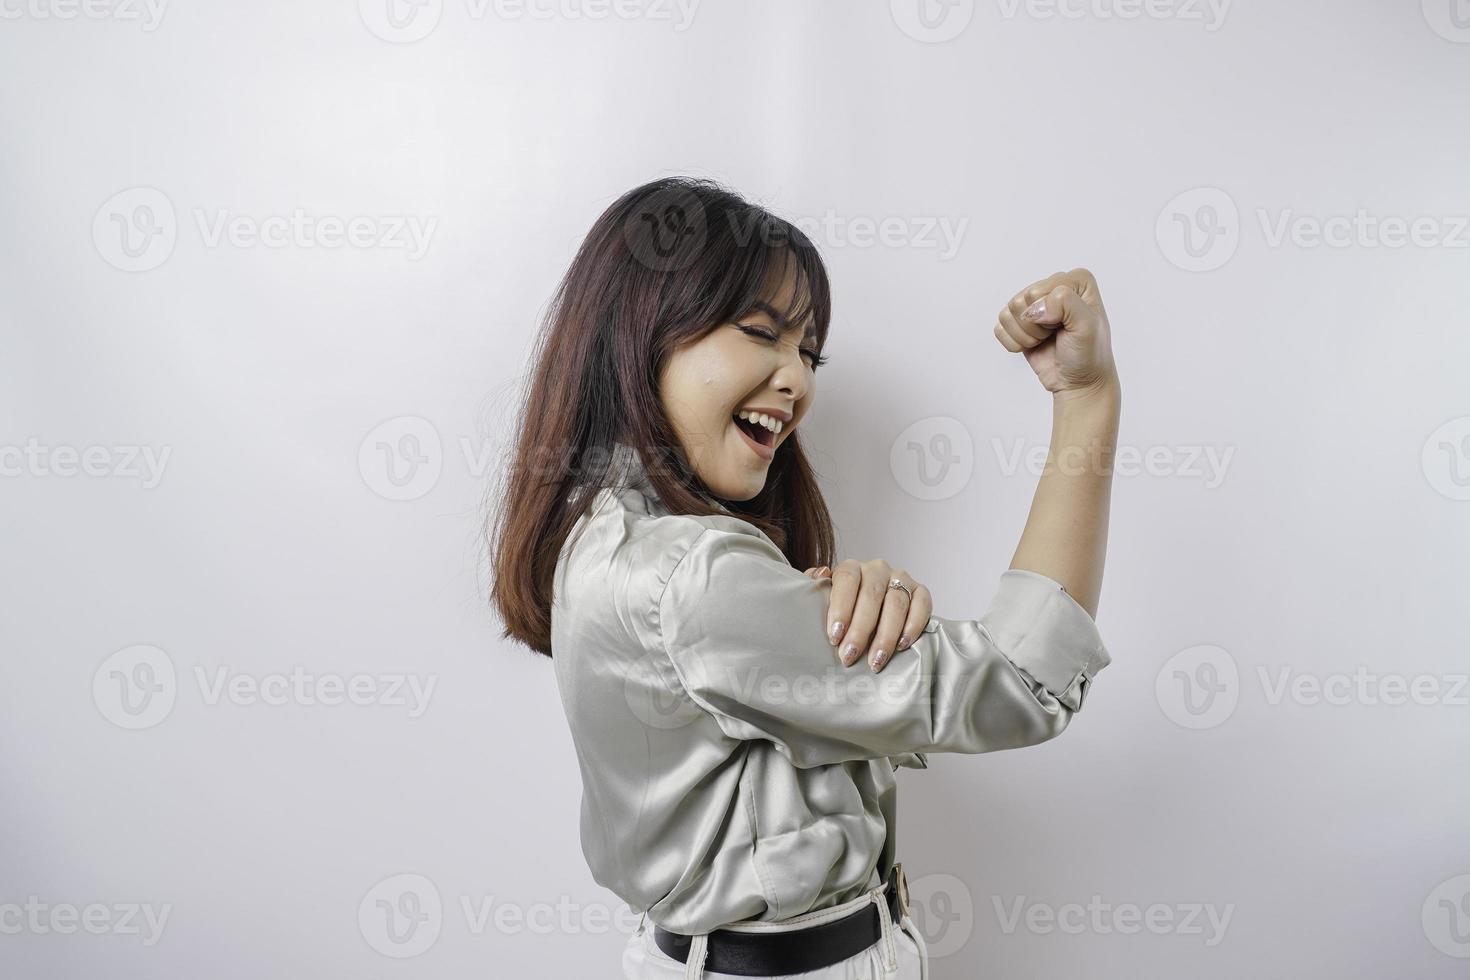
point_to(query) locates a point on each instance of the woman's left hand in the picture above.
(864, 613)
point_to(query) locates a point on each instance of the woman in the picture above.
(737, 771)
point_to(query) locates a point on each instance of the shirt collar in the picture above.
(626, 467)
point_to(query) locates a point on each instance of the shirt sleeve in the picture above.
(745, 633)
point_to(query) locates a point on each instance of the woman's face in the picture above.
(754, 363)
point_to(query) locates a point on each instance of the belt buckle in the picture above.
(902, 883)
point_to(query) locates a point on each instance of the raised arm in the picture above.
(743, 629)
(1061, 326)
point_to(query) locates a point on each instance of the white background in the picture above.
(1328, 381)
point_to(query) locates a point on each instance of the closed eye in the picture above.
(818, 359)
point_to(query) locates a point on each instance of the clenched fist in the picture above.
(1060, 325)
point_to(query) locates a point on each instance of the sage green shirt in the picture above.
(732, 769)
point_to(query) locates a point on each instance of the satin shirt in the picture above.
(732, 769)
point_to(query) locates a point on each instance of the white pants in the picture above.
(899, 954)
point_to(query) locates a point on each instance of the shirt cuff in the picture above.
(1044, 632)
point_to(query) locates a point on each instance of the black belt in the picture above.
(775, 954)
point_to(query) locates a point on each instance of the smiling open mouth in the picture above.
(756, 431)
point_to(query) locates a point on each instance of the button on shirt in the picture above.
(732, 769)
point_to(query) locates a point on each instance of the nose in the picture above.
(791, 378)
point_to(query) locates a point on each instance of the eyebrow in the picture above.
(761, 306)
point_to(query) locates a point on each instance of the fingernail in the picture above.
(1036, 310)
(836, 632)
(849, 654)
(903, 641)
(877, 661)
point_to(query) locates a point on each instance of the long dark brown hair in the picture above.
(665, 263)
